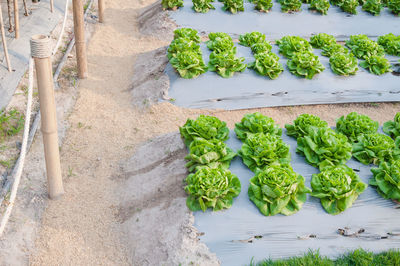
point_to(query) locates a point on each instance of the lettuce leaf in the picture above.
(322, 40)
(363, 47)
(171, 4)
(226, 63)
(387, 180)
(394, 6)
(202, 6)
(322, 6)
(289, 6)
(263, 47)
(377, 65)
(187, 33)
(354, 125)
(349, 6)
(332, 49)
(305, 64)
(263, 5)
(343, 64)
(391, 43)
(373, 6)
(392, 128)
(267, 64)
(233, 6)
(182, 44)
(256, 123)
(289, 45)
(189, 64)
(301, 126)
(251, 38)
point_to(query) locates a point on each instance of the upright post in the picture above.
(41, 53)
(101, 11)
(80, 42)
(52, 5)
(16, 19)
(4, 41)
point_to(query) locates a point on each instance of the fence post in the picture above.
(41, 53)
(4, 41)
(16, 19)
(80, 42)
(101, 11)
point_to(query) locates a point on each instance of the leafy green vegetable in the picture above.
(261, 150)
(377, 64)
(337, 187)
(256, 123)
(322, 40)
(226, 64)
(373, 6)
(391, 43)
(206, 127)
(343, 64)
(171, 4)
(251, 38)
(289, 45)
(349, 6)
(211, 153)
(182, 44)
(189, 64)
(278, 189)
(211, 188)
(322, 6)
(233, 6)
(301, 126)
(392, 128)
(337, 2)
(333, 49)
(323, 147)
(289, 6)
(202, 6)
(354, 125)
(219, 39)
(267, 64)
(263, 47)
(375, 148)
(187, 33)
(305, 64)
(263, 5)
(222, 45)
(394, 6)
(387, 180)
(363, 47)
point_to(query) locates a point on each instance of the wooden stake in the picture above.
(101, 11)
(16, 19)
(52, 5)
(80, 42)
(3, 37)
(41, 53)
(10, 28)
(26, 9)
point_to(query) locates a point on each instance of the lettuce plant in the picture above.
(392, 128)
(343, 64)
(263, 47)
(363, 47)
(267, 64)
(391, 43)
(226, 64)
(256, 123)
(211, 153)
(222, 45)
(394, 6)
(301, 125)
(263, 5)
(261, 150)
(387, 180)
(211, 188)
(375, 148)
(349, 6)
(233, 6)
(182, 44)
(373, 6)
(278, 189)
(354, 125)
(322, 6)
(377, 65)
(187, 33)
(189, 64)
(206, 127)
(289, 6)
(202, 6)
(305, 64)
(337, 2)
(323, 147)
(251, 38)
(171, 4)
(289, 45)
(321, 40)
(329, 50)
(218, 39)
(337, 187)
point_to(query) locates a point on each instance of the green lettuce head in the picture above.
(289, 45)
(301, 125)
(187, 33)
(392, 128)
(211, 153)
(305, 65)
(321, 40)
(337, 187)
(261, 150)
(354, 125)
(387, 180)
(251, 38)
(278, 189)
(206, 127)
(256, 123)
(211, 188)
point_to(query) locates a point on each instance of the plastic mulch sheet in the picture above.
(250, 90)
(241, 233)
(276, 24)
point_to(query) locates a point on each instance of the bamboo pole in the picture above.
(3, 37)
(16, 19)
(101, 11)
(80, 42)
(41, 53)
(26, 9)
(10, 28)
(52, 5)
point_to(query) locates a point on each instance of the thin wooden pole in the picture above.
(52, 5)
(3, 37)
(80, 42)
(101, 11)
(10, 28)
(26, 9)
(41, 53)
(16, 19)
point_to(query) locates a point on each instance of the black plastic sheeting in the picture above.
(250, 90)
(241, 233)
(276, 24)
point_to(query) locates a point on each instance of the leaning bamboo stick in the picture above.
(3, 37)
(16, 19)
(26, 9)
(10, 28)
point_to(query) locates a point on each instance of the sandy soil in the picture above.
(114, 212)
